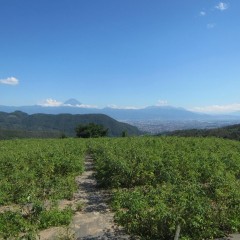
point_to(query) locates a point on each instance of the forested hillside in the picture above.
(19, 124)
(229, 132)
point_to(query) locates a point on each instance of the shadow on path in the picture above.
(96, 220)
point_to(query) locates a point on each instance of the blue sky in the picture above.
(121, 53)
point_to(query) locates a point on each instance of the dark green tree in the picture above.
(91, 130)
(124, 133)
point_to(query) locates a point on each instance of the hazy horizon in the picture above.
(123, 54)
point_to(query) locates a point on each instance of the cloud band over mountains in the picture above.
(55, 103)
(218, 108)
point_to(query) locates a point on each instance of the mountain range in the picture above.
(152, 113)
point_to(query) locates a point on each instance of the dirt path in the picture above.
(95, 220)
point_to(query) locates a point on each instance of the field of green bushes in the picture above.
(160, 185)
(166, 184)
(34, 175)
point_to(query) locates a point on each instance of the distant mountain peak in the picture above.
(72, 102)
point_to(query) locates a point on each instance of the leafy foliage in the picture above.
(158, 184)
(17, 134)
(91, 130)
(230, 132)
(34, 175)
(12, 223)
(162, 183)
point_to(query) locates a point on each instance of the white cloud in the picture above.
(211, 25)
(222, 6)
(162, 103)
(51, 103)
(10, 81)
(202, 13)
(84, 106)
(218, 108)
